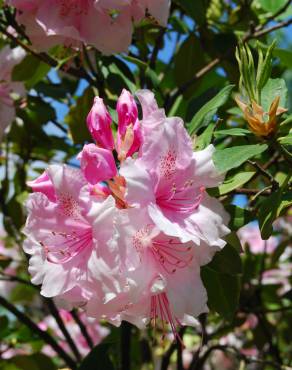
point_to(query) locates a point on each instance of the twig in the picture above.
(166, 357)
(41, 333)
(233, 350)
(126, 329)
(8, 277)
(55, 313)
(275, 15)
(156, 48)
(268, 30)
(60, 127)
(264, 192)
(83, 329)
(265, 173)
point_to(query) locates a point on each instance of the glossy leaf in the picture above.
(226, 159)
(97, 359)
(206, 113)
(223, 291)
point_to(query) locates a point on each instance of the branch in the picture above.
(79, 73)
(126, 329)
(265, 173)
(60, 127)
(275, 15)
(156, 48)
(41, 333)
(83, 329)
(268, 30)
(236, 352)
(264, 192)
(12, 278)
(55, 313)
(202, 72)
(166, 357)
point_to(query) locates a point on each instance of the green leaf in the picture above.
(8, 366)
(205, 138)
(287, 140)
(206, 113)
(196, 9)
(118, 73)
(97, 359)
(228, 158)
(226, 261)
(272, 5)
(4, 325)
(233, 240)
(223, 291)
(272, 207)
(37, 361)
(238, 217)
(76, 118)
(31, 70)
(43, 362)
(268, 213)
(284, 55)
(236, 131)
(286, 202)
(272, 89)
(22, 293)
(188, 60)
(232, 183)
(264, 67)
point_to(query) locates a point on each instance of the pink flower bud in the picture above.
(43, 184)
(99, 124)
(97, 164)
(129, 130)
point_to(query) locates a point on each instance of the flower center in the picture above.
(62, 247)
(170, 253)
(69, 205)
(184, 199)
(167, 164)
(73, 7)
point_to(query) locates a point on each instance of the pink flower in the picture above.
(62, 236)
(129, 136)
(43, 184)
(157, 273)
(8, 59)
(129, 130)
(97, 164)
(108, 25)
(250, 234)
(172, 180)
(99, 124)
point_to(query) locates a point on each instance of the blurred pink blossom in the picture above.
(250, 234)
(8, 59)
(96, 332)
(108, 25)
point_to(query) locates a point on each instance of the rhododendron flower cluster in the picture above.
(106, 24)
(125, 235)
(8, 59)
